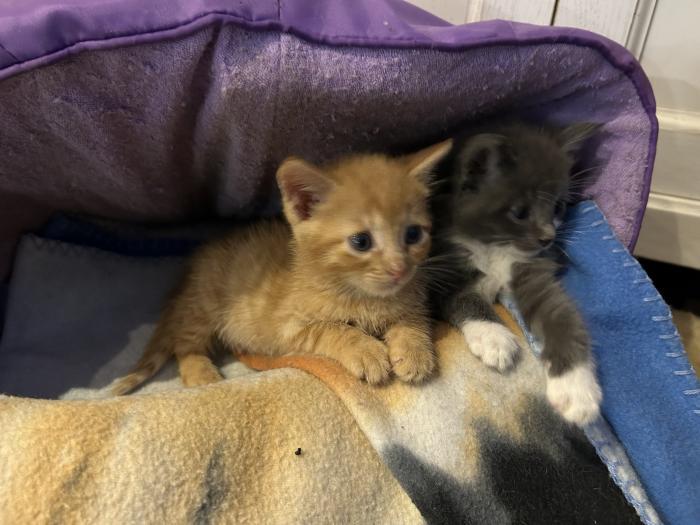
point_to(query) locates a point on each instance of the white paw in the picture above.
(492, 342)
(576, 395)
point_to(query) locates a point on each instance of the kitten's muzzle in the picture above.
(546, 242)
(397, 273)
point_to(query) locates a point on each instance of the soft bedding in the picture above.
(471, 445)
(179, 112)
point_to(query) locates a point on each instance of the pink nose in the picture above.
(397, 272)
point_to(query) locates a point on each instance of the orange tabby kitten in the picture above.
(340, 278)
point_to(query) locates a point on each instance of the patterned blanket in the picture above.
(280, 446)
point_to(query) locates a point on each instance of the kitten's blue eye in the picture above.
(413, 235)
(360, 241)
(519, 212)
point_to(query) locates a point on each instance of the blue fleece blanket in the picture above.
(651, 393)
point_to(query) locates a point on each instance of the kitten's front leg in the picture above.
(411, 349)
(486, 336)
(362, 355)
(572, 386)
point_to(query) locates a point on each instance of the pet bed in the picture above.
(175, 111)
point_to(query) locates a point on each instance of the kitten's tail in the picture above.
(153, 359)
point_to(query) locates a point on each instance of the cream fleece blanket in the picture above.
(304, 442)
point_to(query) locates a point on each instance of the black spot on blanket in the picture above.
(553, 477)
(214, 487)
(74, 483)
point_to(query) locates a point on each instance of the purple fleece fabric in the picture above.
(167, 110)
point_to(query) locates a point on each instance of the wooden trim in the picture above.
(611, 18)
(475, 9)
(531, 12)
(639, 29)
(671, 227)
(677, 120)
(671, 231)
(678, 154)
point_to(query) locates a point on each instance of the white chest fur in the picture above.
(496, 263)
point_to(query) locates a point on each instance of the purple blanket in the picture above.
(173, 109)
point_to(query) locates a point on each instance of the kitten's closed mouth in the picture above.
(393, 286)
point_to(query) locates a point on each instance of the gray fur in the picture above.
(551, 315)
(500, 197)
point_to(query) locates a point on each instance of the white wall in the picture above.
(454, 11)
(671, 58)
(611, 18)
(671, 55)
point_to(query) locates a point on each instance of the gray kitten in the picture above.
(502, 196)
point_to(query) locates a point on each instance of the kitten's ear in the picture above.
(480, 158)
(303, 186)
(573, 137)
(421, 164)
